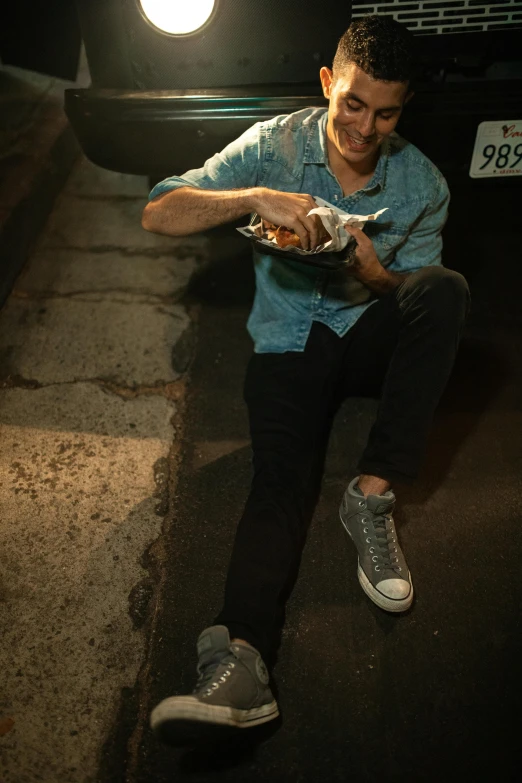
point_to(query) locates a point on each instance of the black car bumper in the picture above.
(158, 133)
(164, 131)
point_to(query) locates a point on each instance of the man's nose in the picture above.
(366, 126)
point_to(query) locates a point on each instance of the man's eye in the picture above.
(352, 107)
(386, 116)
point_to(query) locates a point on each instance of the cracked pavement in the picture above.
(94, 343)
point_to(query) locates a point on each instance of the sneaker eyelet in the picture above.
(400, 569)
(377, 568)
(368, 540)
(214, 685)
(222, 679)
(226, 674)
(365, 529)
(375, 559)
(371, 550)
(232, 665)
(362, 504)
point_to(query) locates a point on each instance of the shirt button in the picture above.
(336, 197)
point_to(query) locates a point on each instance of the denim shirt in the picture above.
(289, 153)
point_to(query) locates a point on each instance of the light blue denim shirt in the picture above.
(289, 153)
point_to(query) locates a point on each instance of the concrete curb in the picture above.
(44, 177)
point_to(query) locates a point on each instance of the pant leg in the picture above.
(409, 339)
(289, 402)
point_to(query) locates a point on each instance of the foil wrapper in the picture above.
(334, 221)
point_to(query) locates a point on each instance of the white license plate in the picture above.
(498, 149)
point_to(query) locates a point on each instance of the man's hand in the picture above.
(365, 264)
(367, 268)
(290, 210)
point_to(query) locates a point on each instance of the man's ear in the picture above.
(326, 81)
(408, 97)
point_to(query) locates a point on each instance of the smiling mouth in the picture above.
(357, 143)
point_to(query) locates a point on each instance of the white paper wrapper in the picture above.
(333, 219)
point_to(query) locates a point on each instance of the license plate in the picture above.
(498, 149)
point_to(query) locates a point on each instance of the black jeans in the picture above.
(403, 347)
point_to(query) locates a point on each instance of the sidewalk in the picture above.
(93, 347)
(37, 151)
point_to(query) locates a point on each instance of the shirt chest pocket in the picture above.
(388, 236)
(277, 176)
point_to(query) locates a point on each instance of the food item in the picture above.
(284, 236)
(331, 221)
(269, 230)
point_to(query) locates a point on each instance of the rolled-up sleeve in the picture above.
(237, 166)
(423, 245)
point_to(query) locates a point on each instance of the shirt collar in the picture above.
(316, 151)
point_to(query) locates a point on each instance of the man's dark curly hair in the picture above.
(380, 46)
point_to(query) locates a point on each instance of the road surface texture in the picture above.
(430, 695)
(94, 344)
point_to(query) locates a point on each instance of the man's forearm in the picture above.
(189, 210)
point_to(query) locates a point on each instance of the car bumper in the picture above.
(158, 133)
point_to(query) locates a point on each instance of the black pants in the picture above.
(403, 347)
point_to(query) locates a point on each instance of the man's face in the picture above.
(362, 111)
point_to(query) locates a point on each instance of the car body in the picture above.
(155, 109)
(144, 117)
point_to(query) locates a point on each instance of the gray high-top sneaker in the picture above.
(231, 692)
(382, 571)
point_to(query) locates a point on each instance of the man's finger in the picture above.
(353, 230)
(302, 233)
(358, 234)
(311, 226)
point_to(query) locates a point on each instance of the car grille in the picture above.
(429, 17)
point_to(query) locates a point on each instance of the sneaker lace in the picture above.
(207, 671)
(385, 539)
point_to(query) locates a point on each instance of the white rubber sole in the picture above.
(181, 718)
(382, 601)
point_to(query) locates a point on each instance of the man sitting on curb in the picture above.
(392, 322)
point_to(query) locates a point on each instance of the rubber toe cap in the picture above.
(397, 589)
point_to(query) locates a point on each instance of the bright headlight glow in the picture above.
(177, 17)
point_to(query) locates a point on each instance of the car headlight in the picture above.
(178, 17)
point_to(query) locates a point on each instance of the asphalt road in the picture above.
(366, 696)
